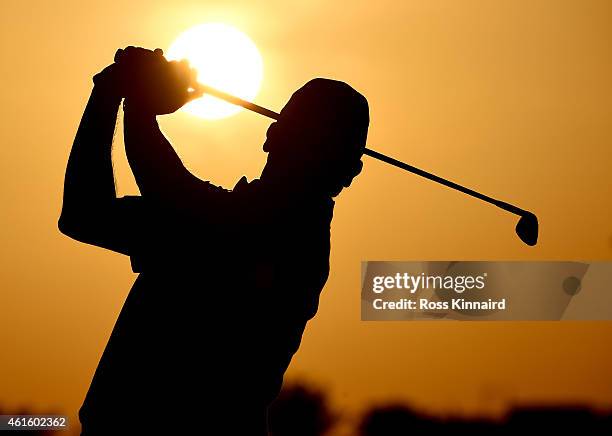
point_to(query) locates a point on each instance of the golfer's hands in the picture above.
(149, 82)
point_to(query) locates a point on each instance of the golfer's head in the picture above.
(321, 134)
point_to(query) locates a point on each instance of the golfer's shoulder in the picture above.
(246, 192)
(243, 186)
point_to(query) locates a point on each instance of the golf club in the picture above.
(526, 228)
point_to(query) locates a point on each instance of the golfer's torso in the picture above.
(224, 317)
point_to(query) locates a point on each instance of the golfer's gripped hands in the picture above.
(150, 83)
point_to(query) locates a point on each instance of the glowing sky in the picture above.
(511, 98)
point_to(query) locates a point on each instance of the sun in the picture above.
(226, 59)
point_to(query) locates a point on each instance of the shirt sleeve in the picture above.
(135, 230)
(163, 234)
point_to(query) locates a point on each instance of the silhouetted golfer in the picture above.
(228, 278)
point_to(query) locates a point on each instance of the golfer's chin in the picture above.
(336, 190)
(331, 186)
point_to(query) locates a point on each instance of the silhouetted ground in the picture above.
(300, 410)
(399, 420)
(304, 411)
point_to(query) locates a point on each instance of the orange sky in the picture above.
(512, 98)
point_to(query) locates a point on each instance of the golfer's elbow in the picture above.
(77, 224)
(70, 226)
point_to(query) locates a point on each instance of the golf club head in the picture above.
(527, 228)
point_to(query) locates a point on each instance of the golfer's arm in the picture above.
(91, 212)
(157, 168)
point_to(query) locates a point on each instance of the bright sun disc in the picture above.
(226, 59)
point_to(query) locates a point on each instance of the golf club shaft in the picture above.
(239, 102)
(372, 153)
(419, 172)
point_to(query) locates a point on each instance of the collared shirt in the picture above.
(227, 282)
